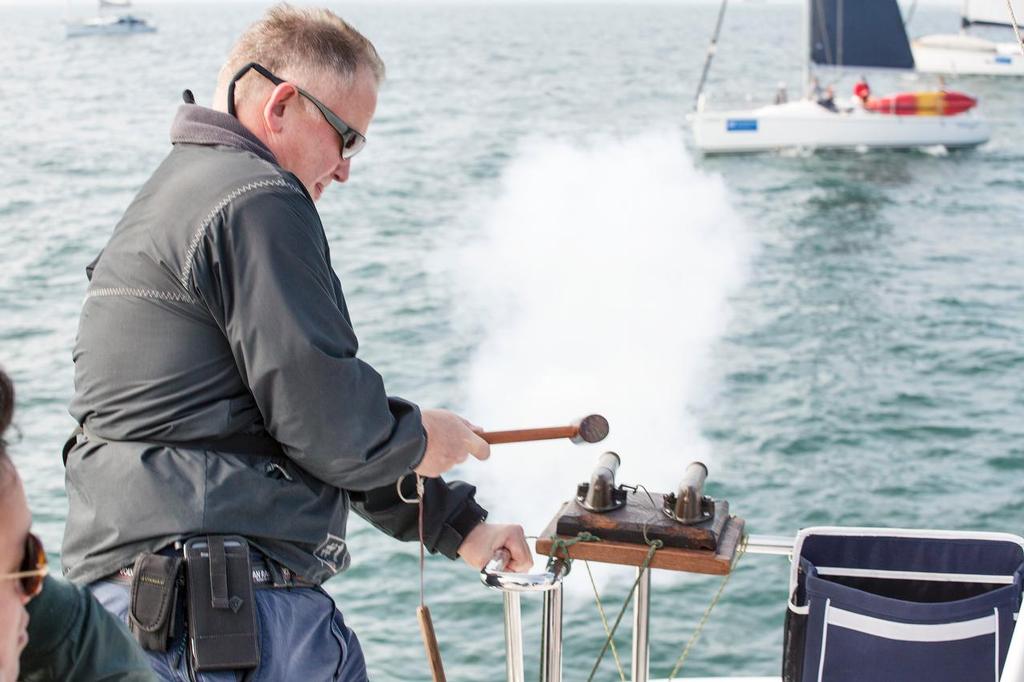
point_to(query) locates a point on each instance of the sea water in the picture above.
(528, 237)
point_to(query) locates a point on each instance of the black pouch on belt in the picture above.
(153, 615)
(221, 604)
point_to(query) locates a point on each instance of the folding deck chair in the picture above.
(894, 605)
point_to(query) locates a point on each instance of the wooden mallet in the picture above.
(590, 429)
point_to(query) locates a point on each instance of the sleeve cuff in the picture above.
(458, 527)
(423, 453)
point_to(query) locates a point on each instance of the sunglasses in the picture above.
(33, 568)
(352, 141)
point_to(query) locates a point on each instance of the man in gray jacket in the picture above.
(216, 377)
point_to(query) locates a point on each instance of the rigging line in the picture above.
(418, 500)
(654, 505)
(707, 612)
(558, 543)
(423, 558)
(654, 546)
(839, 32)
(710, 55)
(823, 27)
(1016, 28)
(910, 14)
(604, 622)
(654, 510)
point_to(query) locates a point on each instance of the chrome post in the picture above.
(641, 622)
(513, 639)
(511, 585)
(551, 636)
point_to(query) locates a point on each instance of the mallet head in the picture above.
(591, 429)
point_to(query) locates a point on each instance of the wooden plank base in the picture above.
(713, 562)
(643, 518)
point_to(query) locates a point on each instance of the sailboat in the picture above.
(847, 34)
(109, 24)
(970, 55)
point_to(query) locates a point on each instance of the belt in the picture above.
(261, 577)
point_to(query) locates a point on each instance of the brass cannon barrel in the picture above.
(599, 495)
(689, 504)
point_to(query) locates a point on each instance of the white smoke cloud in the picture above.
(601, 279)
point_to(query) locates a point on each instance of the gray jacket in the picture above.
(214, 311)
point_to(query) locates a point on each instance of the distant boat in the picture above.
(850, 34)
(109, 24)
(969, 55)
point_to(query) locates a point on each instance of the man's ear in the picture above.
(281, 99)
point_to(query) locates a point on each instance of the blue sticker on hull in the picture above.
(1004, 60)
(735, 125)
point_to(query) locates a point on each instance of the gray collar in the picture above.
(194, 124)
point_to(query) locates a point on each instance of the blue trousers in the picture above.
(302, 636)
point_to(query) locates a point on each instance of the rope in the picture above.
(558, 543)
(655, 545)
(563, 545)
(418, 500)
(423, 553)
(707, 612)
(604, 622)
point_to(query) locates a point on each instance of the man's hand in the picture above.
(450, 441)
(487, 538)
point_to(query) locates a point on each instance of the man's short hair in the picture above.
(6, 414)
(303, 42)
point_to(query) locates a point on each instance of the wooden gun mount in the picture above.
(706, 547)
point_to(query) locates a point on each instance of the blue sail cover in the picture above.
(859, 33)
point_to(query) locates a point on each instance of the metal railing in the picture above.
(549, 583)
(511, 585)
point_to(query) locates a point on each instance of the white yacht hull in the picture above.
(806, 125)
(963, 55)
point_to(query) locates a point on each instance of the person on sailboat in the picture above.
(827, 99)
(861, 92)
(781, 96)
(50, 629)
(225, 419)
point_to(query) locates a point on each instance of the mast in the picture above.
(807, 47)
(1016, 26)
(710, 55)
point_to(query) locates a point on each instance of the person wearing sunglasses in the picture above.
(22, 563)
(50, 629)
(217, 385)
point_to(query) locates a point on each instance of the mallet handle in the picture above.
(430, 643)
(523, 435)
